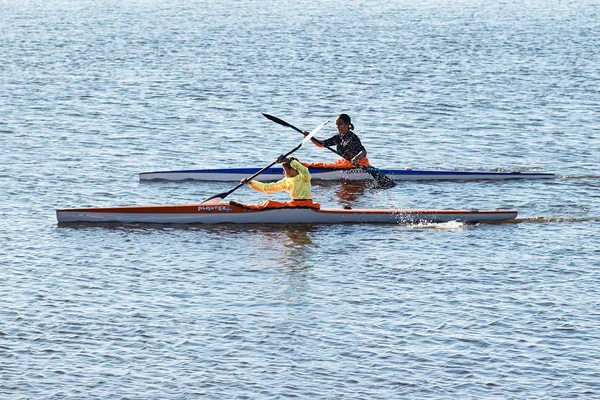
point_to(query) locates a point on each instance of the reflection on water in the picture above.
(296, 260)
(297, 247)
(348, 192)
(298, 237)
(294, 242)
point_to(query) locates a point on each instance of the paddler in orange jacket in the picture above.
(296, 182)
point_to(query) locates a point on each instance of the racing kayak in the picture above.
(331, 174)
(225, 213)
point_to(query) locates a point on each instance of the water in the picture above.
(94, 92)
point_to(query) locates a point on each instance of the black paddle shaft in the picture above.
(282, 122)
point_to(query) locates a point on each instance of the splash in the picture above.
(440, 226)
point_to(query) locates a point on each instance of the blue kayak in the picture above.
(330, 174)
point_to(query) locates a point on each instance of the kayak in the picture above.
(331, 174)
(225, 213)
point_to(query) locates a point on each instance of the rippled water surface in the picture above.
(94, 92)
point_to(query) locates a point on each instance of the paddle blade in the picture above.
(216, 199)
(314, 132)
(280, 121)
(383, 181)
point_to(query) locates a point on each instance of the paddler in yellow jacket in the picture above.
(296, 182)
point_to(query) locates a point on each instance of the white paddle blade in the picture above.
(213, 200)
(314, 132)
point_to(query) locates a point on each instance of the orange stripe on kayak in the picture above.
(174, 209)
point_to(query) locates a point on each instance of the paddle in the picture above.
(219, 197)
(382, 180)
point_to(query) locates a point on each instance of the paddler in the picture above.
(348, 145)
(296, 182)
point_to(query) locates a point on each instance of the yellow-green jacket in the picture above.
(298, 187)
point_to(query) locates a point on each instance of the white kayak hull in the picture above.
(325, 174)
(232, 214)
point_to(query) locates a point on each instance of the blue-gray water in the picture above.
(94, 92)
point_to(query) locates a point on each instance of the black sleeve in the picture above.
(332, 141)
